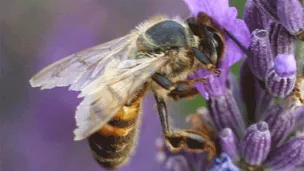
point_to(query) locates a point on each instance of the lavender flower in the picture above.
(253, 18)
(256, 143)
(228, 142)
(225, 17)
(291, 15)
(272, 90)
(288, 13)
(225, 113)
(282, 42)
(260, 55)
(184, 160)
(288, 155)
(281, 79)
(281, 122)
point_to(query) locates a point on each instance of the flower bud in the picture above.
(214, 86)
(253, 18)
(256, 143)
(280, 81)
(263, 99)
(268, 7)
(282, 42)
(260, 55)
(291, 15)
(281, 122)
(225, 113)
(228, 144)
(288, 155)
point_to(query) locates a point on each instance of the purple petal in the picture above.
(268, 7)
(203, 73)
(260, 55)
(226, 17)
(281, 122)
(288, 155)
(263, 99)
(253, 18)
(256, 143)
(285, 65)
(281, 80)
(291, 15)
(214, 86)
(228, 144)
(225, 113)
(282, 42)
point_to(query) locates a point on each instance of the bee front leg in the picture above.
(202, 57)
(178, 90)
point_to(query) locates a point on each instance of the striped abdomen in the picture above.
(112, 144)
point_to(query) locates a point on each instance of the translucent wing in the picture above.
(81, 68)
(107, 76)
(106, 95)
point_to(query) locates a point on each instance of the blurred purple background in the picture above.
(37, 126)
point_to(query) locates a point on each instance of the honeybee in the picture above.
(113, 78)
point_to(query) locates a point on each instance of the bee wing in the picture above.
(105, 96)
(79, 69)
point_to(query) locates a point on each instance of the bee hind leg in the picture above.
(190, 140)
(163, 115)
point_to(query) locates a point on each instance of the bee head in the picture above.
(212, 42)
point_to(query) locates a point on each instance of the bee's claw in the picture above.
(217, 72)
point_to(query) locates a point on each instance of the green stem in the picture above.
(300, 56)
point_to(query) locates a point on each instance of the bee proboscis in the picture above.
(113, 78)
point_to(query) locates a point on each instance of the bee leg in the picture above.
(179, 87)
(163, 81)
(198, 142)
(176, 95)
(204, 59)
(175, 141)
(163, 115)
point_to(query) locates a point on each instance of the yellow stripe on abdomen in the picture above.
(112, 144)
